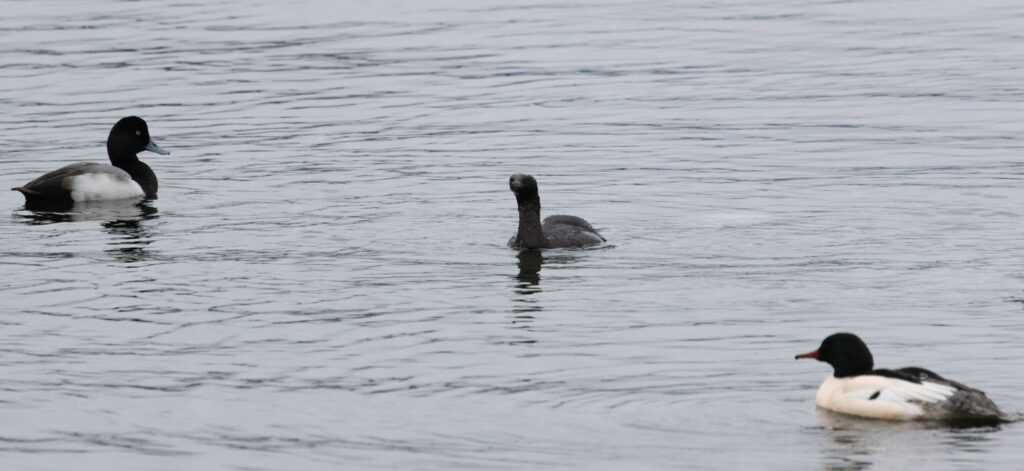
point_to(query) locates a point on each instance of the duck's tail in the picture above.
(25, 191)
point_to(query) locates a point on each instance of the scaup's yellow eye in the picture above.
(138, 133)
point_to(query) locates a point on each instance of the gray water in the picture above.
(323, 282)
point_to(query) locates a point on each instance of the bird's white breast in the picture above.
(103, 186)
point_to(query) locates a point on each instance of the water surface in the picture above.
(324, 281)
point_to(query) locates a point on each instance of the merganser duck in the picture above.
(557, 231)
(128, 177)
(905, 394)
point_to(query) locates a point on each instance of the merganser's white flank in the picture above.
(856, 388)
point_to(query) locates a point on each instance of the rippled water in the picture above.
(324, 281)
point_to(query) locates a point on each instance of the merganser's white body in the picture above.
(880, 397)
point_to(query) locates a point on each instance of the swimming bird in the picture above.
(128, 177)
(556, 231)
(856, 388)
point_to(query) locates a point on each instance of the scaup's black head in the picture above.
(525, 188)
(847, 354)
(129, 137)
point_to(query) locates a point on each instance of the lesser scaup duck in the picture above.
(128, 177)
(856, 388)
(556, 231)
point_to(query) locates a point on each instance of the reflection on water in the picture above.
(530, 262)
(122, 219)
(528, 285)
(110, 211)
(837, 421)
(852, 442)
(130, 237)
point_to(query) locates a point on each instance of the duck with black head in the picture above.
(128, 177)
(558, 231)
(856, 388)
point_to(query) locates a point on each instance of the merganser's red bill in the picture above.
(813, 355)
